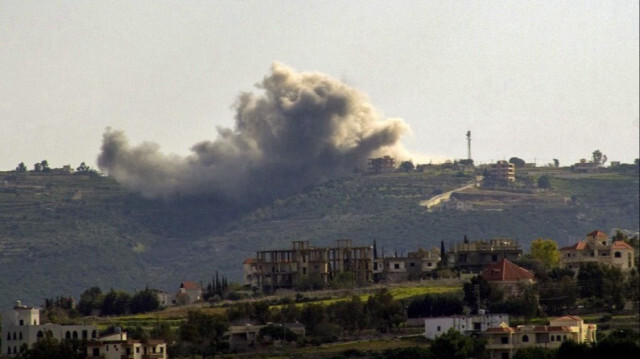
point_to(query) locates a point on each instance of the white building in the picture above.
(434, 327)
(119, 346)
(21, 325)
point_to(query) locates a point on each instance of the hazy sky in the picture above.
(532, 79)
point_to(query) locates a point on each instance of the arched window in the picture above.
(75, 335)
(20, 335)
(525, 338)
(40, 334)
(618, 254)
(558, 338)
(67, 335)
(9, 337)
(14, 335)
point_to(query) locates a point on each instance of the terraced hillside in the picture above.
(60, 234)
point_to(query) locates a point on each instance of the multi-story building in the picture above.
(504, 341)
(476, 255)
(119, 346)
(503, 171)
(382, 164)
(465, 324)
(597, 248)
(22, 326)
(283, 268)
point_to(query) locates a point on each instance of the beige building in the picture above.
(504, 341)
(597, 248)
(414, 266)
(503, 171)
(119, 346)
(283, 268)
(382, 164)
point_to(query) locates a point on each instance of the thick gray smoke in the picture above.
(305, 129)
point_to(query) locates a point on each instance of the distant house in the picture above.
(21, 326)
(465, 324)
(119, 346)
(164, 299)
(597, 248)
(503, 341)
(509, 277)
(247, 335)
(474, 256)
(189, 293)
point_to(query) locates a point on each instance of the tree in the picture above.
(204, 333)
(454, 345)
(599, 158)
(556, 163)
(534, 353)
(90, 300)
(144, 301)
(83, 168)
(406, 166)
(517, 162)
(546, 251)
(543, 182)
(21, 167)
(383, 311)
(115, 303)
(471, 288)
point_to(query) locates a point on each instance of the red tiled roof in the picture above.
(597, 233)
(568, 317)
(505, 270)
(500, 330)
(621, 245)
(578, 246)
(250, 261)
(189, 285)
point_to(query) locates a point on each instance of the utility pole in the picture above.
(469, 145)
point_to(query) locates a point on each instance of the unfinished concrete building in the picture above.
(474, 256)
(283, 268)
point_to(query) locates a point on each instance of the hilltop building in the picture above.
(382, 164)
(503, 341)
(503, 171)
(597, 248)
(22, 326)
(474, 256)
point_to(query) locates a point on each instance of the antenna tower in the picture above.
(469, 145)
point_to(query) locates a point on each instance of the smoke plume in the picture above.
(304, 129)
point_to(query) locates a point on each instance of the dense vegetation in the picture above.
(65, 233)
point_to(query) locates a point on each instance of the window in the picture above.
(618, 255)
(504, 340)
(525, 338)
(552, 337)
(558, 338)
(429, 264)
(21, 322)
(85, 334)
(477, 326)
(494, 258)
(20, 335)
(137, 349)
(396, 266)
(439, 329)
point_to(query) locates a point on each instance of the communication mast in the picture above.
(469, 145)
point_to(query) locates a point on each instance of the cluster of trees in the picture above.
(93, 301)
(43, 167)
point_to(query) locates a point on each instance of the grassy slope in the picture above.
(62, 234)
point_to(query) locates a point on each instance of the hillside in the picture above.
(60, 234)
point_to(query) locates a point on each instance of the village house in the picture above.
(188, 293)
(382, 164)
(22, 326)
(414, 266)
(503, 171)
(597, 248)
(465, 324)
(474, 256)
(119, 346)
(247, 335)
(503, 341)
(508, 277)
